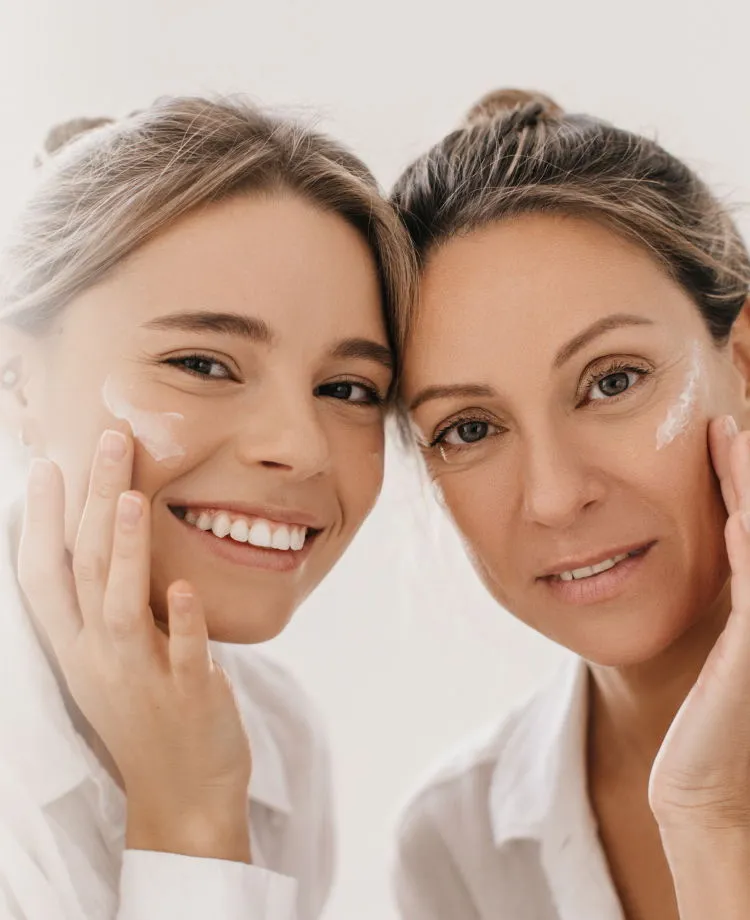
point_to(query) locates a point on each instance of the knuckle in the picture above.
(120, 621)
(89, 569)
(105, 488)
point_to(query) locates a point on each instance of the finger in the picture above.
(739, 464)
(735, 641)
(126, 615)
(189, 653)
(43, 571)
(721, 434)
(110, 477)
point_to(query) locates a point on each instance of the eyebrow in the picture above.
(605, 324)
(258, 330)
(466, 390)
(364, 348)
(237, 324)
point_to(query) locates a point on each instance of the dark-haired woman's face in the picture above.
(561, 384)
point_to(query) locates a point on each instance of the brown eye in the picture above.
(202, 366)
(348, 391)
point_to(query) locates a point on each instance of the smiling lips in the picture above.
(595, 568)
(251, 529)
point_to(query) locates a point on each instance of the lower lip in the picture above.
(602, 587)
(273, 560)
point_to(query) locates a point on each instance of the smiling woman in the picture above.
(583, 318)
(208, 301)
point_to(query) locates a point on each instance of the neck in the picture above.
(632, 707)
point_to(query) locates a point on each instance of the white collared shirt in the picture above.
(62, 817)
(504, 829)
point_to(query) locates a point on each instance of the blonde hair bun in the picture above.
(62, 134)
(504, 101)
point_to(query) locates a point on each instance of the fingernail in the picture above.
(746, 521)
(730, 426)
(113, 445)
(129, 510)
(39, 474)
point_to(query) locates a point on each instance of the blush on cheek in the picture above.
(158, 432)
(681, 412)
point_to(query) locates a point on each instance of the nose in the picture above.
(559, 482)
(287, 435)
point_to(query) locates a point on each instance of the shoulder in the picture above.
(454, 794)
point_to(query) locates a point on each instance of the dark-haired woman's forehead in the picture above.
(511, 304)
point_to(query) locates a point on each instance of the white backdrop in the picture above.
(402, 650)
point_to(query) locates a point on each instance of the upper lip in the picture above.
(582, 562)
(267, 512)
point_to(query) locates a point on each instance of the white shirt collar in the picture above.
(36, 731)
(538, 788)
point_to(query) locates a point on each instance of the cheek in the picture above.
(480, 502)
(357, 458)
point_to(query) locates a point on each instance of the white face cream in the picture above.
(680, 413)
(156, 431)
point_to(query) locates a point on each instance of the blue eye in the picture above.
(615, 382)
(462, 434)
(467, 433)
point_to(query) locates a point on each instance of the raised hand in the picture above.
(162, 708)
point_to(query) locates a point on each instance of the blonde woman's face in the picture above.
(246, 347)
(561, 385)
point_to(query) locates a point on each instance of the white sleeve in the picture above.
(167, 886)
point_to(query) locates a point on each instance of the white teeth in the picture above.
(260, 535)
(266, 534)
(281, 538)
(239, 531)
(221, 525)
(589, 570)
(204, 521)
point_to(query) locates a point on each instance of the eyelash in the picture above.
(374, 398)
(615, 367)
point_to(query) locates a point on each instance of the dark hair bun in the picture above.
(62, 134)
(504, 101)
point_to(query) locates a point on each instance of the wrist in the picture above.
(216, 830)
(710, 868)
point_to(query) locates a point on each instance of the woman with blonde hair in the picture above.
(207, 300)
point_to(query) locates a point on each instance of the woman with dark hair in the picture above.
(575, 375)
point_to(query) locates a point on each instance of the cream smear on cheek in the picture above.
(681, 412)
(156, 431)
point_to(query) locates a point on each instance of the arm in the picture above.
(167, 886)
(711, 873)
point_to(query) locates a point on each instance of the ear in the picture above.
(739, 347)
(21, 376)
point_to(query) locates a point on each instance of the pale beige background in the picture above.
(403, 651)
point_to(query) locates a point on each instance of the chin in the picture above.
(247, 623)
(630, 641)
